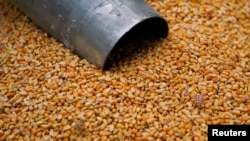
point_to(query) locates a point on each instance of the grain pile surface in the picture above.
(198, 75)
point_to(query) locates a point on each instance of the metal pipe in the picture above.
(92, 28)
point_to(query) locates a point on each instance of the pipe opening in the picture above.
(136, 39)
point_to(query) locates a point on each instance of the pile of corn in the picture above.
(198, 75)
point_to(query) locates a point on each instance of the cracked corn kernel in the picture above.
(199, 100)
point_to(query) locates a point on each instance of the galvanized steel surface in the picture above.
(90, 28)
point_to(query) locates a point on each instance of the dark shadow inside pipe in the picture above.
(136, 39)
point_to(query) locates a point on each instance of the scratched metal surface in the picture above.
(91, 29)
